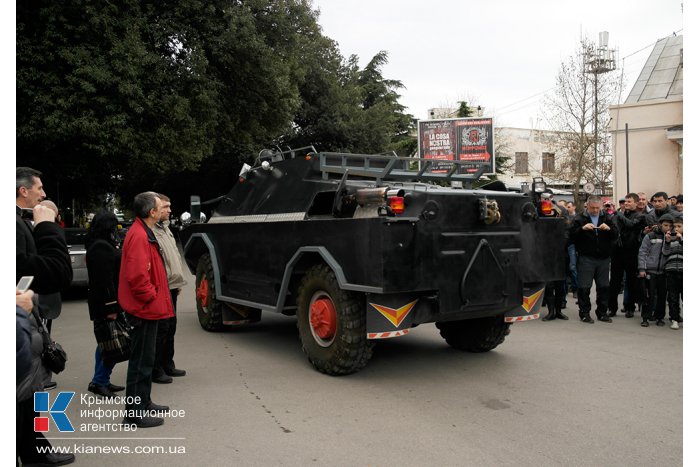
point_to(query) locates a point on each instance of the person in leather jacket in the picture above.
(624, 256)
(594, 233)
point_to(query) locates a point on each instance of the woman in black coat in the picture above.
(103, 260)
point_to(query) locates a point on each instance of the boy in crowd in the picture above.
(651, 270)
(673, 269)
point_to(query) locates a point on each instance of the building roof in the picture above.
(662, 75)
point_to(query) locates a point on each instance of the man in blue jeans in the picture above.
(593, 234)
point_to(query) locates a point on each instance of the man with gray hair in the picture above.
(164, 368)
(41, 246)
(145, 297)
(42, 253)
(593, 232)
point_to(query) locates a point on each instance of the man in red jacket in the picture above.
(145, 297)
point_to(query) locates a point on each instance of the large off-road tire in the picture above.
(332, 324)
(209, 310)
(475, 335)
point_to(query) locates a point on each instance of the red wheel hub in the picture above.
(203, 292)
(323, 318)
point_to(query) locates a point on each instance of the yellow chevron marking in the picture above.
(529, 302)
(395, 316)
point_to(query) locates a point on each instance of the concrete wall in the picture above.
(655, 162)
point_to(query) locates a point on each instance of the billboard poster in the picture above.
(463, 139)
(436, 140)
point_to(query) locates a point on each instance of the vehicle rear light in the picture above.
(546, 208)
(396, 204)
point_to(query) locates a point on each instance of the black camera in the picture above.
(673, 233)
(27, 214)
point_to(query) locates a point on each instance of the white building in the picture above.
(647, 129)
(531, 154)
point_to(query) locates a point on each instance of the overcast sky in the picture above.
(501, 54)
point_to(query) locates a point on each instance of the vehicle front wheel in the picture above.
(332, 324)
(475, 335)
(209, 309)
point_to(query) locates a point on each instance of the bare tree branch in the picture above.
(570, 110)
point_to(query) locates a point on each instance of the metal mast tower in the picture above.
(598, 60)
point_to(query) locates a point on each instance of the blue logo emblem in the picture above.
(57, 411)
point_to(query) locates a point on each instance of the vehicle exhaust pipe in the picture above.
(370, 196)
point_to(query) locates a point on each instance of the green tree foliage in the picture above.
(102, 96)
(464, 110)
(351, 109)
(173, 95)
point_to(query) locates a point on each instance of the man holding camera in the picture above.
(593, 232)
(624, 256)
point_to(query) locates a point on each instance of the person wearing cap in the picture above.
(651, 270)
(672, 200)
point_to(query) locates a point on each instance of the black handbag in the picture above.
(113, 339)
(50, 305)
(53, 356)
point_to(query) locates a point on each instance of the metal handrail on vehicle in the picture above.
(272, 156)
(392, 167)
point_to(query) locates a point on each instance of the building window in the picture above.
(547, 162)
(521, 165)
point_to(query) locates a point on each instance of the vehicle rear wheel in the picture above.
(475, 335)
(209, 310)
(332, 324)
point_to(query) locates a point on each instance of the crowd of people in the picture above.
(137, 284)
(635, 250)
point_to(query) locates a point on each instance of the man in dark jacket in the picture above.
(660, 203)
(555, 291)
(42, 253)
(41, 248)
(624, 256)
(593, 232)
(145, 297)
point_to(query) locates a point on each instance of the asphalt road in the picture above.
(555, 393)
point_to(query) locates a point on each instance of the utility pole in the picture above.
(597, 61)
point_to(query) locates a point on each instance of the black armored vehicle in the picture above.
(365, 247)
